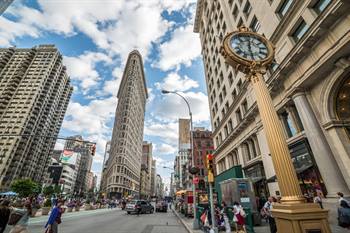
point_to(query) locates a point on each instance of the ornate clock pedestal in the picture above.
(245, 51)
(301, 218)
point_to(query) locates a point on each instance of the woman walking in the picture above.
(55, 218)
(239, 217)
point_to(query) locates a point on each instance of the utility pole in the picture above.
(210, 167)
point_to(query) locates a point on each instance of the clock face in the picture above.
(249, 47)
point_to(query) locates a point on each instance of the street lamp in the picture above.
(195, 221)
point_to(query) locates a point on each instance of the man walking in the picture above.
(267, 210)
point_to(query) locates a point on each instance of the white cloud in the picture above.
(174, 82)
(83, 68)
(183, 47)
(10, 30)
(171, 107)
(164, 149)
(92, 118)
(168, 132)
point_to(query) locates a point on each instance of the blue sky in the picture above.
(95, 37)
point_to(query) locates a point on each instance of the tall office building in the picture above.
(309, 83)
(4, 4)
(103, 183)
(123, 171)
(34, 94)
(78, 145)
(153, 178)
(146, 170)
(184, 153)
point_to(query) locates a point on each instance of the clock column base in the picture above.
(300, 218)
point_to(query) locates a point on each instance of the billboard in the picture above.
(69, 157)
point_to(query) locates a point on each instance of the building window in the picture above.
(220, 98)
(230, 78)
(300, 31)
(247, 9)
(238, 115)
(230, 125)
(235, 12)
(321, 5)
(245, 107)
(240, 22)
(239, 85)
(255, 24)
(226, 131)
(343, 101)
(282, 10)
(234, 94)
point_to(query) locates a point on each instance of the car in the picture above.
(132, 207)
(161, 206)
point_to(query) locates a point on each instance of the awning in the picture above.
(298, 171)
(10, 193)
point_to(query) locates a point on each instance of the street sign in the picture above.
(195, 180)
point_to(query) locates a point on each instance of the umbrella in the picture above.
(10, 193)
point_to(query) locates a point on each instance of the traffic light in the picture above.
(93, 149)
(210, 167)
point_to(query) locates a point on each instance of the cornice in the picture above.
(197, 20)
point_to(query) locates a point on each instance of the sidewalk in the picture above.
(187, 222)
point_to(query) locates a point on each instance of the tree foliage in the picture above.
(25, 187)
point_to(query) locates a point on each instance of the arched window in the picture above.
(342, 103)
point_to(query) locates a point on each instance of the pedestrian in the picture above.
(341, 198)
(239, 217)
(23, 211)
(55, 218)
(318, 199)
(267, 210)
(224, 212)
(138, 207)
(5, 212)
(344, 215)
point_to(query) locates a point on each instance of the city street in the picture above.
(112, 221)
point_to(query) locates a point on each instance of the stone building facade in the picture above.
(202, 146)
(123, 170)
(309, 84)
(4, 4)
(78, 145)
(34, 94)
(146, 170)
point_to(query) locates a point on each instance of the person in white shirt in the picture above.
(267, 210)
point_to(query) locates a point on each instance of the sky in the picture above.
(95, 38)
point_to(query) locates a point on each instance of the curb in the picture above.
(182, 221)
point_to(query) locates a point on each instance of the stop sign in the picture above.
(195, 180)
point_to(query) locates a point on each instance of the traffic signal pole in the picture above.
(210, 167)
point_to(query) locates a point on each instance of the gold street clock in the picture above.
(244, 50)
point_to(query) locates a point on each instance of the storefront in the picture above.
(257, 174)
(305, 166)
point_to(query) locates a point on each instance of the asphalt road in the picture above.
(112, 221)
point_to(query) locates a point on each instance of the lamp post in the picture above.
(251, 54)
(195, 221)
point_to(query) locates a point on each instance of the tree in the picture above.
(25, 187)
(48, 191)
